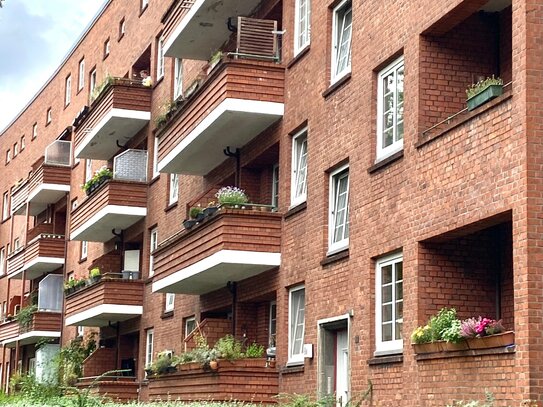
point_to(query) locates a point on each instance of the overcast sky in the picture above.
(35, 36)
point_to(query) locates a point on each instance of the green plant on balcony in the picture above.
(483, 91)
(71, 356)
(24, 317)
(167, 109)
(69, 286)
(231, 196)
(97, 91)
(100, 176)
(254, 350)
(95, 275)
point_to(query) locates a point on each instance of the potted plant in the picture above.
(101, 176)
(211, 208)
(24, 317)
(442, 332)
(453, 339)
(95, 275)
(196, 213)
(483, 91)
(484, 333)
(69, 286)
(231, 196)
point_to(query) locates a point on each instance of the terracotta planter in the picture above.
(213, 365)
(452, 347)
(492, 341)
(430, 347)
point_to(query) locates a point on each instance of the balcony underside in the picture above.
(116, 128)
(30, 337)
(38, 266)
(101, 315)
(216, 271)
(45, 194)
(233, 123)
(204, 28)
(100, 226)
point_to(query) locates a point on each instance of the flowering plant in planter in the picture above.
(231, 196)
(478, 327)
(100, 176)
(483, 91)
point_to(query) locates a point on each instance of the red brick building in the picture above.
(376, 197)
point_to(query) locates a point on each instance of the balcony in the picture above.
(15, 262)
(109, 300)
(41, 255)
(196, 29)
(119, 112)
(239, 100)
(116, 204)
(232, 245)
(19, 197)
(50, 179)
(8, 331)
(43, 325)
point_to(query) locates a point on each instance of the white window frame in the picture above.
(122, 28)
(153, 244)
(15, 149)
(178, 78)
(107, 47)
(144, 4)
(160, 59)
(295, 358)
(275, 186)
(92, 80)
(80, 330)
(149, 337)
(297, 156)
(335, 177)
(302, 36)
(68, 90)
(81, 78)
(2, 261)
(397, 145)
(49, 116)
(396, 345)
(34, 131)
(337, 39)
(5, 206)
(272, 324)
(169, 302)
(8, 156)
(187, 322)
(174, 189)
(88, 169)
(16, 245)
(155, 158)
(84, 249)
(23, 143)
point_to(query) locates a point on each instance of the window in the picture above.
(2, 261)
(389, 303)
(296, 324)
(16, 245)
(152, 246)
(84, 249)
(92, 80)
(144, 4)
(275, 186)
(106, 48)
(5, 206)
(88, 169)
(15, 150)
(23, 143)
(169, 302)
(160, 59)
(149, 347)
(390, 109)
(302, 27)
(299, 168)
(338, 227)
(122, 28)
(174, 189)
(272, 329)
(178, 78)
(190, 325)
(34, 131)
(68, 89)
(155, 158)
(74, 204)
(49, 116)
(81, 78)
(341, 40)
(8, 156)
(80, 330)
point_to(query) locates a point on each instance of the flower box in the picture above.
(453, 347)
(487, 94)
(429, 347)
(492, 341)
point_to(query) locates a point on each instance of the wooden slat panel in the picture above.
(173, 17)
(230, 229)
(46, 321)
(114, 192)
(120, 292)
(45, 247)
(19, 196)
(256, 37)
(9, 330)
(243, 79)
(15, 262)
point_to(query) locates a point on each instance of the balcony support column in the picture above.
(233, 288)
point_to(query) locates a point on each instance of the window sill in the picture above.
(384, 360)
(143, 10)
(83, 260)
(166, 315)
(511, 349)
(298, 57)
(154, 180)
(296, 209)
(292, 368)
(158, 81)
(335, 257)
(385, 162)
(170, 207)
(336, 85)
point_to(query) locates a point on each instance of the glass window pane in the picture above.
(386, 274)
(387, 332)
(386, 293)
(387, 313)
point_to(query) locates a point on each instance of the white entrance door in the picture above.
(342, 368)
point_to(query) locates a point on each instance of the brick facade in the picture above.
(460, 201)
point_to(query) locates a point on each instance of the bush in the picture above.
(254, 350)
(230, 348)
